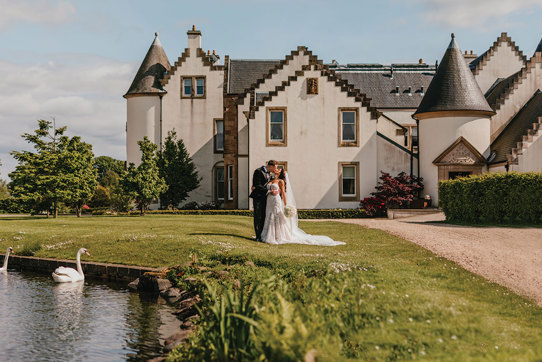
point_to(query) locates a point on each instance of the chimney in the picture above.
(194, 38)
(469, 57)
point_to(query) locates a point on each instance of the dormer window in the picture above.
(193, 87)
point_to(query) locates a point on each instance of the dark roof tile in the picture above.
(243, 74)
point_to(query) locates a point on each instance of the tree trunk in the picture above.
(55, 210)
(78, 210)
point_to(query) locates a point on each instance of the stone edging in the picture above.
(97, 270)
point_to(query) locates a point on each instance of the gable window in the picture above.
(348, 181)
(219, 183)
(200, 87)
(276, 126)
(230, 182)
(193, 87)
(219, 135)
(348, 127)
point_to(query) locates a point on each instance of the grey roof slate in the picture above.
(539, 47)
(494, 92)
(152, 70)
(381, 88)
(517, 128)
(454, 88)
(243, 74)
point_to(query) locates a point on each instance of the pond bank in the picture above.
(107, 271)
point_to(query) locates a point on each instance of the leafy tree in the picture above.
(101, 198)
(4, 192)
(105, 165)
(60, 170)
(178, 170)
(143, 182)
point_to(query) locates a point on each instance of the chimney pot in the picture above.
(420, 61)
(214, 52)
(193, 28)
(472, 52)
(208, 52)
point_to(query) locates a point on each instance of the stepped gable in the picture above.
(316, 64)
(395, 86)
(453, 89)
(526, 123)
(498, 88)
(152, 70)
(243, 73)
(479, 63)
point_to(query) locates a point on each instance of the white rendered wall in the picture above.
(143, 117)
(516, 100)
(503, 63)
(243, 183)
(531, 158)
(437, 134)
(393, 160)
(193, 119)
(312, 152)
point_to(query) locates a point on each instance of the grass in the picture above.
(378, 297)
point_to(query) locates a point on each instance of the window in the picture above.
(349, 181)
(348, 127)
(192, 87)
(312, 85)
(219, 135)
(414, 136)
(230, 182)
(276, 126)
(200, 87)
(219, 183)
(187, 91)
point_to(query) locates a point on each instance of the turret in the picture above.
(454, 125)
(144, 100)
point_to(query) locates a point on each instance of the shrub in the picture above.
(398, 191)
(373, 206)
(496, 197)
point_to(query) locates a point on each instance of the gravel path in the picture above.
(511, 257)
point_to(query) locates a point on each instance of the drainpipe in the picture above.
(160, 95)
(418, 127)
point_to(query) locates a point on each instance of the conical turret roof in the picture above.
(151, 71)
(539, 47)
(453, 90)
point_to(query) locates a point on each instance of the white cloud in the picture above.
(80, 91)
(473, 14)
(34, 12)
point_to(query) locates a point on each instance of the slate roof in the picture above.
(499, 87)
(454, 88)
(243, 73)
(152, 70)
(381, 87)
(517, 128)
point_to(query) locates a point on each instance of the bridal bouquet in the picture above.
(289, 211)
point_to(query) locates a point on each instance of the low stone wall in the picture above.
(95, 270)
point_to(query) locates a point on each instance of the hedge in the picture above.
(303, 214)
(13, 206)
(496, 197)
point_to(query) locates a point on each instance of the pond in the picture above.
(92, 321)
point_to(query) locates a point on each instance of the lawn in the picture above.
(376, 298)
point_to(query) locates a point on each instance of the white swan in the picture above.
(5, 267)
(70, 275)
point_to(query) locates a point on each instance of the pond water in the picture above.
(91, 321)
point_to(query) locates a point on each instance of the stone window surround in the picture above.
(357, 182)
(194, 85)
(268, 141)
(340, 128)
(215, 149)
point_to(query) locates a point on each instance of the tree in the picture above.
(178, 170)
(105, 165)
(143, 182)
(398, 191)
(60, 170)
(4, 192)
(77, 168)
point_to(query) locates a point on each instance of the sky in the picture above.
(73, 60)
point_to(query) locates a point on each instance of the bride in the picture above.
(281, 225)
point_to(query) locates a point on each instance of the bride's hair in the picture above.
(282, 176)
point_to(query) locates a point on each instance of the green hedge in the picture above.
(496, 197)
(303, 214)
(13, 206)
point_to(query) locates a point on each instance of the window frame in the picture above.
(229, 179)
(215, 134)
(348, 197)
(215, 182)
(194, 80)
(284, 141)
(343, 143)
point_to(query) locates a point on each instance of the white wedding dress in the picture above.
(279, 229)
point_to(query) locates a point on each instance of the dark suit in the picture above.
(260, 178)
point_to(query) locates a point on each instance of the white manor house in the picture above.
(335, 127)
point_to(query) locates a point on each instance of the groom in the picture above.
(260, 179)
